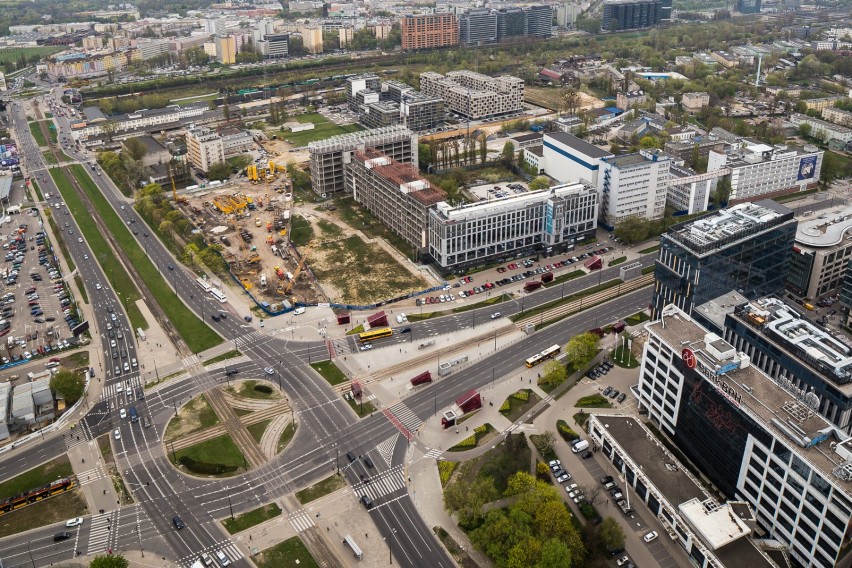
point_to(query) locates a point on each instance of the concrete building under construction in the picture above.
(395, 193)
(328, 158)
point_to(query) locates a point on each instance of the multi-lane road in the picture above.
(327, 427)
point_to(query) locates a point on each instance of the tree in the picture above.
(483, 148)
(109, 561)
(611, 534)
(220, 171)
(541, 182)
(581, 349)
(135, 148)
(805, 130)
(508, 155)
(723, 190)
(544, 443)
(68, 385)
(633, 230)
(553, 372)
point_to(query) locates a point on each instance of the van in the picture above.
(579, 446)
(134, 416)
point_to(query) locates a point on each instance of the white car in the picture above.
(79, 239)
(74, 522)
(85, 257)
(298, 311)
(563, 478)
(554, 464)
(623, 560)
(269, 370)
(117, 434)
(650, 536)
(98, 286)
(122, 413)
(495, 315)
(366, 347)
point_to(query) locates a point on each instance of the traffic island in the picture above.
(291, 552)
(320, 489)
(195, 416)
(518, 404)
(251, 518)
(217, 457)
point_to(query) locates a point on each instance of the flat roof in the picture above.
(824, 230)
(717, 525)
(660, 467)
(712, 232)
(719, 307)
(577, 144)
(753, 393)
(151, 144)
(742, 553)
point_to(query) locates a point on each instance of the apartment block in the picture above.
(756, 439)
(631, 14)
(395, 193)
(380, 113)
(478, 27)
(204, 148)
(821, 254)
(822, 128)
(354, 85)
(548, 221)
(226, 49)
(475, 95)
(312, 39)
(694, 102)
(429, 31)
(628, 100)
(745, 248)
(633, 185)
(328, 158)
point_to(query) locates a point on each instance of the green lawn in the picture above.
(617, 261)
(37, 134)
(53, 510)
(251, 518)
(249, 389)
(223, 357)
(291, 552)
(36, 477)
(630, 362)
(221, 450)
(257, 430)
(197, 335)
(518, 406)
(648, 250)
(362, 409)
(198, 413)
(118, 278)
(14, 54)
(286, 436)
(330, 372)
(49, 158)
(323, 129)
(36, 189)
(60, 241)
(321, 488)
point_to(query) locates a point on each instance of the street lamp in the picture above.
(228, 492)
(390, 544)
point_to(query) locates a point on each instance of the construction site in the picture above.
(250, 217)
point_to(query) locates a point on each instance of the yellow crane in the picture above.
(181, 200)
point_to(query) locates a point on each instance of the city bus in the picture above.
(548, 353)
(203, 283)
(218, 295)
(375, 334)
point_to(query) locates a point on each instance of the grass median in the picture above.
(35, 129)
(251, 518)
(197, 335)
(118, 278)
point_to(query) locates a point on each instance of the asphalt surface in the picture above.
(327, 429)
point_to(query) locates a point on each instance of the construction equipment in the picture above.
(251, 173)
(254, 258)
(180, 200)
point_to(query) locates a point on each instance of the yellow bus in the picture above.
(375, 334)
(551, 351)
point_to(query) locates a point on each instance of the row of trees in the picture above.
(125, 169)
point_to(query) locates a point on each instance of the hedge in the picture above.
(506, 406)
(566, 432)
(265, 389)
(205, 468)
(445, 471)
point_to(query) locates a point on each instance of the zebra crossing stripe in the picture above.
(434, 454)
(406, 416)
(385, 484)
(98, 535)
(301, 521)
(386, 448)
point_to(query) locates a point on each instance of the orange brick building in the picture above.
(429, 31)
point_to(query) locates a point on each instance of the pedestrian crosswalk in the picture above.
(77, 436)
(384, 483)
(386, 449)
(403, 418)
(249, 338)
(100, 534)
(227, 547)
(300, 520)
(190, 361)
(91, 475)
(434, 454)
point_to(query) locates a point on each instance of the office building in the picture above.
(744, 248)
(755, 439)
(368, 82)
(747, 6)
(477, 27)
(379, 113)
(275, 46)
(689, 192)
(633, 185)
(474, 95)
(548, 221)
(694, 102)
(759, 170)
(566, 14)
(569, 159)
(539, 21)
(511, 22)
(312, 39)
(395, 193)
(482, 26)
(236, 141)
(204, 148)
(328, 158)
(429, 31)
(621, 15)
(226, 49)
(141, 120)
(713, 534)
(821, 254)
(155, 152)
(789, 348)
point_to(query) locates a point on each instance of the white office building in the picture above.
(204, 148)
(688, 192)
(756, 440)
(633, 185)
(547, 221)
(569, 159)
(822, 128)
(760, 171)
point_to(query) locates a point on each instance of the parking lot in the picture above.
(36, 306)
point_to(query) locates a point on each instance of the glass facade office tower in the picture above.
(744, 248)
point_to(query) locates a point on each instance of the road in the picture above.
(327, 427)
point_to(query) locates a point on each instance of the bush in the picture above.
(588, 510)
(480, 430)
(265, 389)
(468, 442)
(566, 432)
(205, 468)
(523, 395)
(445, 471)
(506, 406)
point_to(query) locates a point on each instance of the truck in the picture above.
(422, 379)
(530, 286)
(546, 277)
(468, 402)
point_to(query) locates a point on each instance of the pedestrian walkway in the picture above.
(382, 484)
(100, 535)
(300, 520)
(227, 547)
(403, 418)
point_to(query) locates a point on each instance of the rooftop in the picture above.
(825, 230)
(528, 137)
(790, 415)
(406, 176)
(577, 144)
(151, 144)
(452, 214)
(727, 226)
(717, 526)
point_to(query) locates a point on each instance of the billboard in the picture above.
(807, 168)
